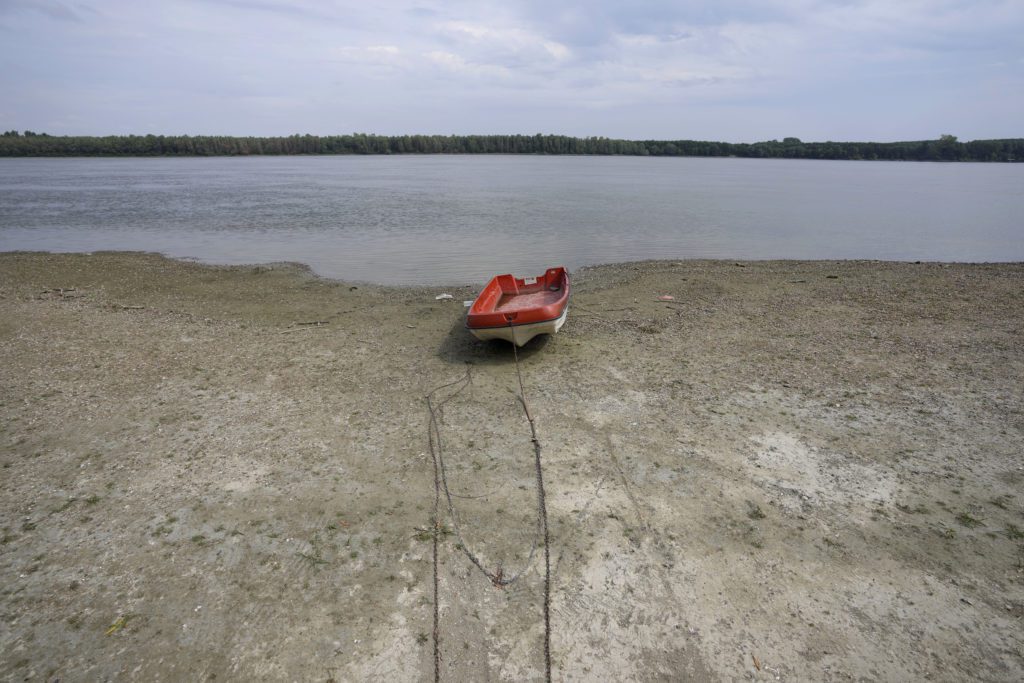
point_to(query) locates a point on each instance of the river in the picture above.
(460, 219)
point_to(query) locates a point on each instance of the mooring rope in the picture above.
(542, 506)
(436, 526)
(497, 577)
(437, 613)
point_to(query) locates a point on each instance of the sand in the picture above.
(789, 471)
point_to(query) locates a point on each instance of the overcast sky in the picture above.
(738, 71)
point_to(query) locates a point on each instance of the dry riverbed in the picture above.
(790, 471)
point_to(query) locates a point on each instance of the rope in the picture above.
(436, 525)
(497, 577)
(437, 612)
(542, 506)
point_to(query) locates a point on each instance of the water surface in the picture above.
(431, 219)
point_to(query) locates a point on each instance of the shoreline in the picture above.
(946, 148)
(496, 154)
(307, 269)
(798, 469)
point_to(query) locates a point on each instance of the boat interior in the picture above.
(520, 294)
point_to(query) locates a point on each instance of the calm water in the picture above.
(431, 219)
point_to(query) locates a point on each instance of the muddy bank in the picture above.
(790, 471)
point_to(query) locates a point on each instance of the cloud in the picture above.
(299, 9)
(503, 39)
(52, 9)
(381, 55)
(641, 69)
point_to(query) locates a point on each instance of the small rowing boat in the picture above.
(517, 310)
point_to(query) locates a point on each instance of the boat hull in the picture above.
(520, 334)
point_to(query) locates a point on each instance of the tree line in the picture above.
(946, 148)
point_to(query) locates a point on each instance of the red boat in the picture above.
(517, 310)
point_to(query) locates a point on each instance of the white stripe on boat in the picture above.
(520, 334)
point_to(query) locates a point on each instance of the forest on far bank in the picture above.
(945, 148)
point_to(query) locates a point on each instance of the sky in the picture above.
(736, 71)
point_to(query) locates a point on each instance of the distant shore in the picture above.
(945, 148)
(808, 469)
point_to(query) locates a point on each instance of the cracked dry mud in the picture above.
(790, 471)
